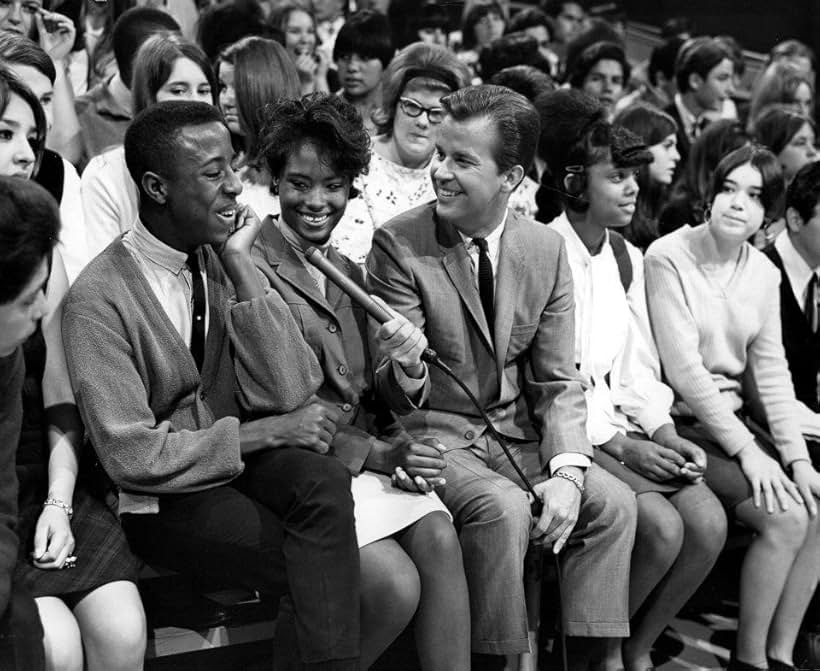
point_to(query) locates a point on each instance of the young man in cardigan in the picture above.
(157, 329)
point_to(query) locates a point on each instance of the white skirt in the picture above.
(382, 510)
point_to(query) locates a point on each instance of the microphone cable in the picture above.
(432, 357)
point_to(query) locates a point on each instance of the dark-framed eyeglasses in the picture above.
(414, 108)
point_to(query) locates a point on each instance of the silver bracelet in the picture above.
(574, 479)
(51, 501)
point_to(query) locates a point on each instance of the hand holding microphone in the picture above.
(397, 338)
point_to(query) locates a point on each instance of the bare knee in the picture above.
(113, 644)
(433, 545)
(660, 528)
(390, 585)
(61, 640)
(786, 529)
(705, 524)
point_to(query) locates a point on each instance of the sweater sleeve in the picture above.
(770, 376)
(11, 374)
(140, 451)
(676, 335)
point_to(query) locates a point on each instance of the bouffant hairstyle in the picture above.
(328, 122)
(426, 66)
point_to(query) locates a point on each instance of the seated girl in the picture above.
(314, 149)
(681, 526)
(61, 523)
(714, 308)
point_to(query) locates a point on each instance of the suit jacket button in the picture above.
(332, 328)
(342, 369)
(469, 435)
(346, 407)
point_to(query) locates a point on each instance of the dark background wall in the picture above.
(758, 24)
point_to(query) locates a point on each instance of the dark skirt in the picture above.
(637, 482)
(723, 473)
(101, 549)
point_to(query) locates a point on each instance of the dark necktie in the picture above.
(485, 281)
(198, 322)
(811, 303)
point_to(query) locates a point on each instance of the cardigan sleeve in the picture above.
(140, 451)
(276, 370)
(676, 335)
(772, 381)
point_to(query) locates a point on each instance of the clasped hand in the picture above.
(418, 465)
(53, 540)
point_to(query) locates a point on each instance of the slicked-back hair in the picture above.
(803, 193)
(155, 62)
(765, 162)
(132, 29)
(326, 121)
(152, 139)
(511, 114)
(367, 35)
(29, 228)
(698, 56)
(776, 125)
(16, 49)
(11, 85)
(263, 73)
(527, 80)
(429, 66)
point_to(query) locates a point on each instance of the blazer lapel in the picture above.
(290, 268)
(458, 266)
(334, 296)
(510, 266)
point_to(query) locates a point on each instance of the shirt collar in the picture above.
(575, 245)
(155, 250)
(797, 270)
(493, 239)
(687, 118)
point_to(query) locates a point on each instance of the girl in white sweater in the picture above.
(714, 308)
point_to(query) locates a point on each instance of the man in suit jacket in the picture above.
(493, 294)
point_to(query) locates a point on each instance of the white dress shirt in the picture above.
(797, 270)
(169, 277)
(613, 343)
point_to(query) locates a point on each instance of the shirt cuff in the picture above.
(569, 459)
(409, 385)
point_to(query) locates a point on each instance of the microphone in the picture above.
(348, 286)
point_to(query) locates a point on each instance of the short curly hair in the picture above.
(325, 120)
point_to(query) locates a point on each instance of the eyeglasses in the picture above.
(414, 108)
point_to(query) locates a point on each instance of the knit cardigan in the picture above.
(157, 425)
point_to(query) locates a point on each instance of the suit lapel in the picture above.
(281, 256)
(458, 266)
(510, 265)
